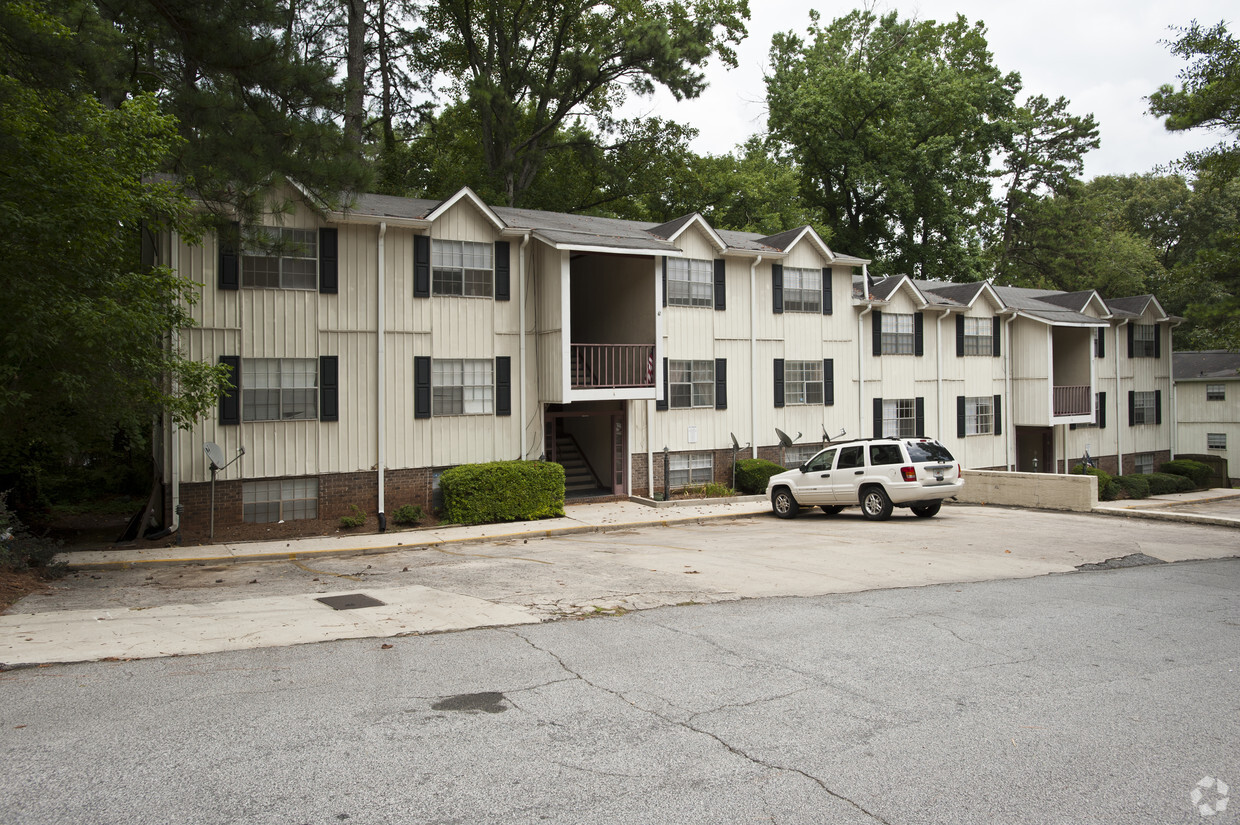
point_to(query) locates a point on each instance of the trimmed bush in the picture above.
(502, 491)
(1107, 488)
(409, 514)
(753, 473)
(1162, 484)
(1195, 471)
(1133, 486)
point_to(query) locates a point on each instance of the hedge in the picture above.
(1107, 488)
(1163, 483)
(1195, 471)
(1134, 486)
(753, 473)
(502, 491)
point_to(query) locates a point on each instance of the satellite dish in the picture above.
(214, 454)
(784, 439)
(736, 445)
(843, 432)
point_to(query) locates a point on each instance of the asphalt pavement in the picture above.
(153, 602)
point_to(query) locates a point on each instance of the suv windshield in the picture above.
(919, 451)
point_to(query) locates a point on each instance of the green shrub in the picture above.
(711, 490)
(1162, 484)
(1108, 490)
(753, 473)
(502, 491)
(1133, 486)
(1197, 472)
(409, 514)
(356, 519)
(20, 550)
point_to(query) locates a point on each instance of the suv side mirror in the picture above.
(804, 468)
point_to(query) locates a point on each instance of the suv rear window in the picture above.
(921, 451)
(885, 454)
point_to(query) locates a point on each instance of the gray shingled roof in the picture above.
(781, 240)
(1032, 302)
(947, 294)
(1199, 366)
(1076, 301)
(1132, 307)
(388, 206)
(667, 230)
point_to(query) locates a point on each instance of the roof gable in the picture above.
(467, 194)
(673, 229)
(785, 241)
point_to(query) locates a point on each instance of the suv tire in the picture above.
(782, 502)
(875, 503)
(927, 510)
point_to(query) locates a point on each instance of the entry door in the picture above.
(619, 455)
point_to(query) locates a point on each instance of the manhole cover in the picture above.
(490, 702)
(350, 602)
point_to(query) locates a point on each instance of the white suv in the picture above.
(876, 474)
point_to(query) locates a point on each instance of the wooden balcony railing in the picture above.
(1073, 400)
(608, 366)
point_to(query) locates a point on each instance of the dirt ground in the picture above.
(15, 585)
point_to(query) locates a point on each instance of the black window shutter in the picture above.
(919, 425)
(1130, 332)
(721, 284)
(919, 336)
(998, 415)
(827, 304)
(1158, 407)
(828, 382)
(503, 385)
(228, 274)
(662, 405)
(996, 348)
(721, 383)
(329, 261)
(779, 382)
(664, 290)
(1132, 407)
(230, 400)
(1157, 341)
(878, 418)
(329, 388)
(777, 288)
(503, 266)
(961, 415)
(1102, 410)
(1101, 346)
(959, 336)
(422, 269)
(422, 386)
(877, 327)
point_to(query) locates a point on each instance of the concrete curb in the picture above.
(1163, 515)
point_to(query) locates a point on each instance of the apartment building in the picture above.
(1207, 404)
(373, 347)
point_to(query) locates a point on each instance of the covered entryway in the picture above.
(1035, 448)
(588, 439)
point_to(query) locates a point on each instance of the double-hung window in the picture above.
(1144, 408)
(803, 382)
(798, 454)
(979, 415)
(978, 336)
(463, 386)
(277, 257)
(462, 268)
(279, 389)
(264, 502)
(1143, 463)
(1216, 441)
(1144, 340)
(802, 290)
(691, 384)
(899, 416)
(690, 282)
(1216, 392)
(897, 334)
(690, 468)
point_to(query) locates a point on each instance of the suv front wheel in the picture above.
(784, 505)
(875, 503)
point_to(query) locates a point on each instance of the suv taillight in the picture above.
(909, 473)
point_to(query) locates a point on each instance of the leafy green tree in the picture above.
(85, 352)
(893, 124)
(529, 68)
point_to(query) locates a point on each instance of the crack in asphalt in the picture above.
(701, 732)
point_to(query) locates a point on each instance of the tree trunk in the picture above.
(355, 60)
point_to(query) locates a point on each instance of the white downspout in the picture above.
(382, 351)
(1171, 392)
(938, 383)
(861, 365)
(521, 288)
(1119, 422)
(1009, 443)
(753, 357)
(174, 432)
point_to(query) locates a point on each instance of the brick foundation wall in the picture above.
(721, 460)
(1110, 463)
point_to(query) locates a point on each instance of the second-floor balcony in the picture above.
(1076, 400)
(612, 366)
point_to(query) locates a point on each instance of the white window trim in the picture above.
(286, 385)
(1216, 441)
(690, 469)
(802, 290)
(296, 499)
(979, 341)
(281, 241)
(1144, 408)
(1220, 389)
(979, 415)
(802, 380)
(475, 398)
(701, 389)
(695, 278)
(445, 269)
(894, 339)
(894, 420)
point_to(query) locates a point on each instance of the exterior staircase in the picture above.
(579, 477)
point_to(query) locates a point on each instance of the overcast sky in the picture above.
(1105, 56)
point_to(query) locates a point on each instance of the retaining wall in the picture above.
(1041, 490)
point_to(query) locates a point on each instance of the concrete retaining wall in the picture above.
(1041, 490)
